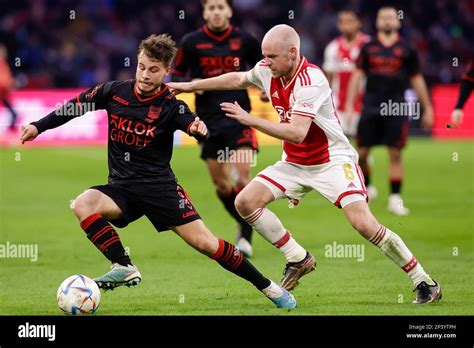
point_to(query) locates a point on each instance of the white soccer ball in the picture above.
(78, 295)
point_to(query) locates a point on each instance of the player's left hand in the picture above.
(428, 119)
(456, 117)
(233, 110)
(198, 128)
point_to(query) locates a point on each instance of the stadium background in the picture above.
(49, 50)
(53, 57)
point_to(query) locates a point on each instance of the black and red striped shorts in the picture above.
(227, 140)
(165, 207)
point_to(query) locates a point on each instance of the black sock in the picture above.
(228, 201)
(395, 185)
(12, 112)
(106, 239)
(229, 257)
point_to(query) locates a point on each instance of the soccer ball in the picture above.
(77, 295)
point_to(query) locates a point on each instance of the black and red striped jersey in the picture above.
(203, 54)
(140, 129)
(388, 70)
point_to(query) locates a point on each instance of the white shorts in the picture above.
(340, 181)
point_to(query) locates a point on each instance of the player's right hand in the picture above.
(180, 87)
(350, 115)
(28, 133)
(456, 117)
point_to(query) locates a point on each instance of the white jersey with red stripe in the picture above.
(340, 60)
(307, 94)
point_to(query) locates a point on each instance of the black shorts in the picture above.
(374, 129)
(229, 139)
(164, 208)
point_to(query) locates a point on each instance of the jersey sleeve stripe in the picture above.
(294, 114)
(303, 112)
(303, 78)
(307, 75)
(301, 81)
(303, 115)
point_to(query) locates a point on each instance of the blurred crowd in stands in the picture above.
(66, 44)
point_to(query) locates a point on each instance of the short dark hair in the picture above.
(159, 47)
(351, 11)
(204, 2)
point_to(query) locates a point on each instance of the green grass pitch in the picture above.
(37, 184)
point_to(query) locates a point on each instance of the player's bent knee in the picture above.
(362, 219)
(85, 204)
(245, 204)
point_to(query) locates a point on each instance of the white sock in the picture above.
(273, 290)
(270, 227)
(394, 248)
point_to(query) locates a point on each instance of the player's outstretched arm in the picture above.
(295, 131)
(229, 81)
(90, 100)
(352, 90)
(419, 85)
(465, 90)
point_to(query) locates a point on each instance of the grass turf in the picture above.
(37, 184)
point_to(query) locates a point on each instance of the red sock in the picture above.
(105, 238)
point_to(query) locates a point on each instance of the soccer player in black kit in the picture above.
(390, 65)
(213, 50)
(465, 88)
(142, 117)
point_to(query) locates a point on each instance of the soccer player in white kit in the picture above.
(340, 57)
(316, 156)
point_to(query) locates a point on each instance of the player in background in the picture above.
(389, 64)
(316, 156)
(340, 62)
(143, 116)
(465, 89)
(6, 84)
(215, 49)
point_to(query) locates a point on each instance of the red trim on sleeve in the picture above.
(189, 126)
(304, 114)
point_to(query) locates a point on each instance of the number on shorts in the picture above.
(348, 171)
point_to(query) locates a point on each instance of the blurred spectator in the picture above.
(6, 84)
